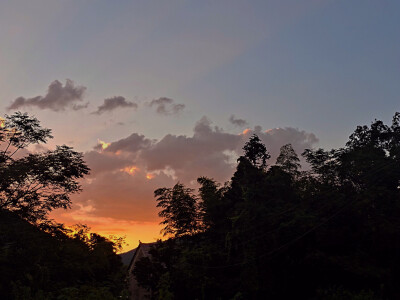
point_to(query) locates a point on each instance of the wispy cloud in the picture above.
(237, 122)
(58, 98)
(113, 103)
(166, 106)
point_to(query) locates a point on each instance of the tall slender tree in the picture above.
(256, 152)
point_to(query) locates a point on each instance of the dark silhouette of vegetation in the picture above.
(35, 184)
(332, 232)
(41, 259)
(179, 210)
(256, 152)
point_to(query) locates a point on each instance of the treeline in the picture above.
(276, 232)
(56, 263)
(39, 258)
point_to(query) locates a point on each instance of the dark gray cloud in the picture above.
(131, 144)
(113, 103)
(203, 154)
(58, 98)
(277, 137)
(166, 106)
(237, 122)
(210, 151)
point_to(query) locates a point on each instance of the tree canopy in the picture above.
(256, 152)
(330, 232)
(39, 258)
(179, 210)
(34, 184)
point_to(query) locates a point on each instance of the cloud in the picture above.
(237, 122)
(100, 162)
(132, 144)
(80, 106)
(125, 173)
(210, 151)
(58, 98)
(113, 103)
(166, 106)
(277, 137)
(203, 154)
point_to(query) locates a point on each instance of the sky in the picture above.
(156, 92)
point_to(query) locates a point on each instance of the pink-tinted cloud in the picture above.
(126, 172)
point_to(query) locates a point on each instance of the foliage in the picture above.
(179, 210)
(288, 160)
(331, 232)
(35, 184)
(41, 259)
(56, 265)
(256, 152)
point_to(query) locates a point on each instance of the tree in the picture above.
(211, 204)
(75, 264)
(256, 152)
(35, 184)
(288, 160)
(179, 210)
(331, 232)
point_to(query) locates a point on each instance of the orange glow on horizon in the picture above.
(150, 176)
(130, 170)
(247, 130)
(133, 231)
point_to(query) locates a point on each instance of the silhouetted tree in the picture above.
(40, 259)
(288, 160)
(331, 232)
(256, 152)
(179, 210)
(211, 206)
(35, 184)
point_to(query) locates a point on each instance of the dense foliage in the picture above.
(36, 183)
(276, 232)
(41, 259)
(56, 263)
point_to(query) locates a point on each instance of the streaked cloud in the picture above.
(237, 122)
(113, 103)
(58, 98)
(166, 106)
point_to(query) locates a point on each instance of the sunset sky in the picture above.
(155, 92)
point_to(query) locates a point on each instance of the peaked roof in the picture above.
(145, 248)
